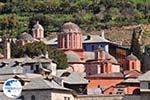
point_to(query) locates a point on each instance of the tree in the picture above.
(38, 48)
(43, 20)
(9, 24)
(136, 42)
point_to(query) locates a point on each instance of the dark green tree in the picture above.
(9, 24)
(43, 20)
(38, 48)
(136, 42)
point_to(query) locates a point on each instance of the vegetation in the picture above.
(17, 16)
(136, 41)
(39, 48)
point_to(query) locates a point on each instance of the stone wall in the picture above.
(108, 97)
(39, 94)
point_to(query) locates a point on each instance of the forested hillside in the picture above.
(17, 16)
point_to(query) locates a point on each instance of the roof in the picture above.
(145, 76)
(11, 70)
(72, 56)
(131, 80)
(70, 27)
(38, 26)
(107, 75)
(132, 74)
(113, 59)
(25, 36)
(89, 55)
(40, 83)
(5, 77)
(93, 39)
(59, 72)
(74, 78)
(4, 97)
(131, 57)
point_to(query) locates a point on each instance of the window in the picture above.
(31, 67)
(148, 85)
(66, 98)
(133, 65)
(32, 97)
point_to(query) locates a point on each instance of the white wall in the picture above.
(58, 95)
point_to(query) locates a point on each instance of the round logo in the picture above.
(12, 88)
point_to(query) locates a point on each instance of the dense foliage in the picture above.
(39, 48)
(88, 14)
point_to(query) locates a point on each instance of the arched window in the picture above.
(32, 97)
(133, 65)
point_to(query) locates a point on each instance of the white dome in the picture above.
(38, 26)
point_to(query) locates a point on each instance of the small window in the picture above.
(148, 85)
(32, 97)
(31, 67)
(66, 98)
(133, 65)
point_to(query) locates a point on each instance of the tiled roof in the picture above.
(40, 83)
(11, 70)
(132, 74)
(93, 39)
(70, 27)
(38, 26)
(107, 75)
(131, 57)
(4, 97)
(113, 59)
(131, 80)
(25, 36)
(75, 78)
(145, 76)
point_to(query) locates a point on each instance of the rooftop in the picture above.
(25, 36)
(107, 75)
(38, 26)
(145, 76)
(70, 27)
(74, 78)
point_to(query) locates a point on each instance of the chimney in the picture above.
(103, 34)
(7, 49)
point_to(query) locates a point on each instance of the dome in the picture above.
(70, 27)
(72, 56)
(38, 26)
(113, 59)
(131, 57)
(26, 36)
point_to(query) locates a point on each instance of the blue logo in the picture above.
(12, 88)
